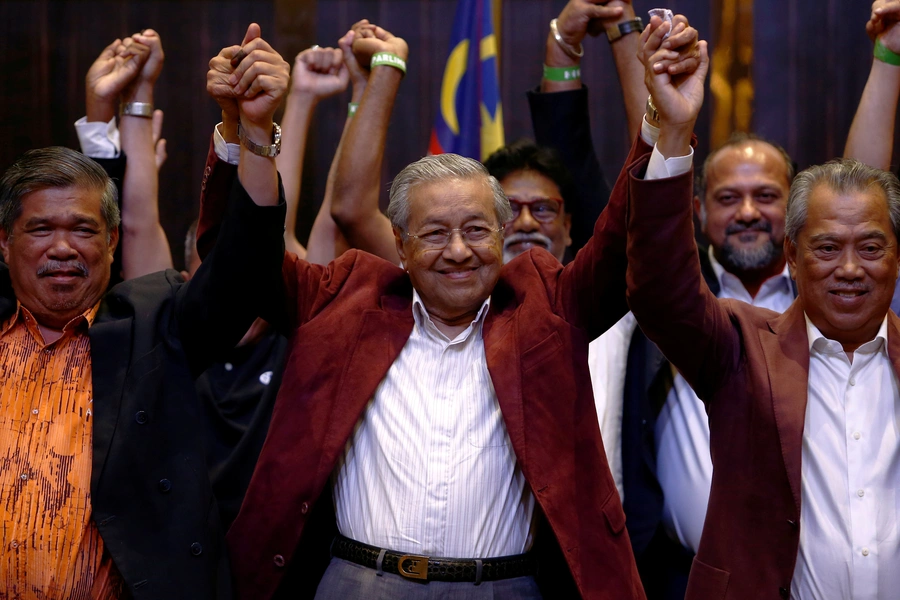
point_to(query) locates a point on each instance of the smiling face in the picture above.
(530, 190)
(746, 196)
(453, 281)
(59, 253)
(845, 262)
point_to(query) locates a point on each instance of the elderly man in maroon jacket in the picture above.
(440, 409)
(802, 406)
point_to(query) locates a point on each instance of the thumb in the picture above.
(703, 69)
(253, 32)
(157, 125)
(346, 42)
(110, 50)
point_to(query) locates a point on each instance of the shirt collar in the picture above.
(820, 343)
(87, 317)
(423, 319)
(783, 278)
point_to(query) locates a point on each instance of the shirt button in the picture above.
(141, 417)
(278, 560)
(856, 435)
(23, 476)
(228, 366)
(304, 508)
(164, 485)
(865, 551)
(860, 493)
(196, 549)
(34, 412)
(852, 381)
(14, 544)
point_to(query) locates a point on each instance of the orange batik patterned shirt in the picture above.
(49, 544)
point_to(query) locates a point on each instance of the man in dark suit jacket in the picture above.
(350, 323)
(130, 514)
(801, 446)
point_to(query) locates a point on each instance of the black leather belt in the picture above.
(429, 568)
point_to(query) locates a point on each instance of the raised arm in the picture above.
(318, 74)
(358, 174)
(145, 248)
(326, 240)
(871, 137)
(241, 277)
(666, 290)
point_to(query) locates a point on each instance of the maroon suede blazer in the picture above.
(348, 323)
(751, 368)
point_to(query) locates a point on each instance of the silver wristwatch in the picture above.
(270, 151)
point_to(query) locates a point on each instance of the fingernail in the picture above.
(233, 79)
(237, 90)
(658, 67)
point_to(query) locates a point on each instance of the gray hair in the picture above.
(841, 175)
(55, 167)
(441, 167)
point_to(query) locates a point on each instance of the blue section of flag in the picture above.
(468, 82)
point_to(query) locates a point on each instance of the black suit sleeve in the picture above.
(237, 282)
(561, 121)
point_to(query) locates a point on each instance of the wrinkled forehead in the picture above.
(451, 200)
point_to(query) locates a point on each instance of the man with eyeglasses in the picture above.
(435, 427)
(536, 183)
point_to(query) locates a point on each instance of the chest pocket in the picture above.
(484, 422)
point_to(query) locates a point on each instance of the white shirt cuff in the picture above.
(649, 133)
(661, 168)
(98, 139)
(230, 153)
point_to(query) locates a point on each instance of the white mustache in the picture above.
(520, 237)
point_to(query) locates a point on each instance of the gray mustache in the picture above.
(69, 265)
(519, 237)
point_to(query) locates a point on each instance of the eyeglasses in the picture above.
(544, 210)
(473, 236)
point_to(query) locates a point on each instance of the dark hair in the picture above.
(55, 167)
(740, 138)
(190, 243)
(525, 155)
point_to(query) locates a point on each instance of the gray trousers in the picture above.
(345, 580)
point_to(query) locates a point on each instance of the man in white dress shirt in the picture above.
(803, 407)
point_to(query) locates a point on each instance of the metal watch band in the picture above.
(614, 32)
(270, 151)
(652, 113)
(137, 109)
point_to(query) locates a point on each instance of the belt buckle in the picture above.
(417, 569)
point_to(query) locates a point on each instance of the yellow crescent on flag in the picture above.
(453, 74)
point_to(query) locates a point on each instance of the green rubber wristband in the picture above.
(388, 60)
(885, 55)
(351, 109)
(562, 73)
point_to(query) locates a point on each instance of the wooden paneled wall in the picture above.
(809, 63)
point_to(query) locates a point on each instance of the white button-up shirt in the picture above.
(850, 494)
(430, 469)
